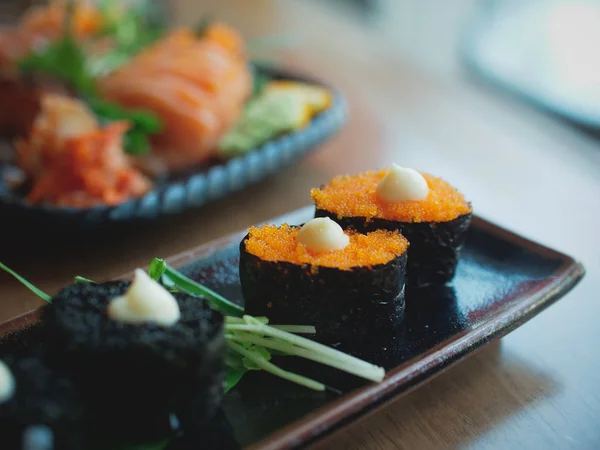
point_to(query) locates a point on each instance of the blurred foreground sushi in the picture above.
(39, 408)
(346, 284)
(428, 211)
(147, 359)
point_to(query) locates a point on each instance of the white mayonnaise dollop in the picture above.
(145, 301)
(402, 184)
(7, 383)
(322, 235)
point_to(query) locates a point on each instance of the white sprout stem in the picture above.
(277, 371)
(241, 327)
(303, 329)
(238, 320)
(265, 330)
(300, 329)
(301, 342)
(375, 374)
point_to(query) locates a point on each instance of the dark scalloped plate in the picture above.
(196, 187)
(503, 280)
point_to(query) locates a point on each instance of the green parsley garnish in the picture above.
(143, 123)
(131, 29)
(66, 61)
(63, 59)
(159, 270)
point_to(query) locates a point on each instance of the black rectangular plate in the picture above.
(503, 280)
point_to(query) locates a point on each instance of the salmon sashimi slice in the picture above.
(196, 85)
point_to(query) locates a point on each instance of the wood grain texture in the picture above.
(527, 171)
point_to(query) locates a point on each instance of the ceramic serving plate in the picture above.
(503, 280)
(198, 186)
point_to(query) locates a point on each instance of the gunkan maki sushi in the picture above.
(344, 283)
(37, 404)
(146, 358)
(427, 210)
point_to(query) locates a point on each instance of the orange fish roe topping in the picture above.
(356, 196)
(272, 243)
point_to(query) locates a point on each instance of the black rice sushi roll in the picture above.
(38, 404)
(145, 358)
(344, 283)
(428, 211)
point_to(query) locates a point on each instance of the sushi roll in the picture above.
(37, 404)
(146, 358)
(428, 211)
(344, 283)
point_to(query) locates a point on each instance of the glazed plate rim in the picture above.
(400, 380)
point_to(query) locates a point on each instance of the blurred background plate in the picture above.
(546, 52)
(184, 191)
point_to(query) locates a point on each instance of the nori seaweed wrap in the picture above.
(139, 376)
(345, 294)
(435, 227)
(44, 402)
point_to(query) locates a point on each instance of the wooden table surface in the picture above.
(540, 386)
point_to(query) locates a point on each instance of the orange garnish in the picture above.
(272, 243)
(356, 196)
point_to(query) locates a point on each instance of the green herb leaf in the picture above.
(235, 369)
(37, 291)
(234, 360)
(131, 29)
(263, 352)
(157, 268)
(275, 370)
(79, 279)
(142, 122)
(146, 121)
(233, 377)
(63, 59)
(136, 143)
(173, 277)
